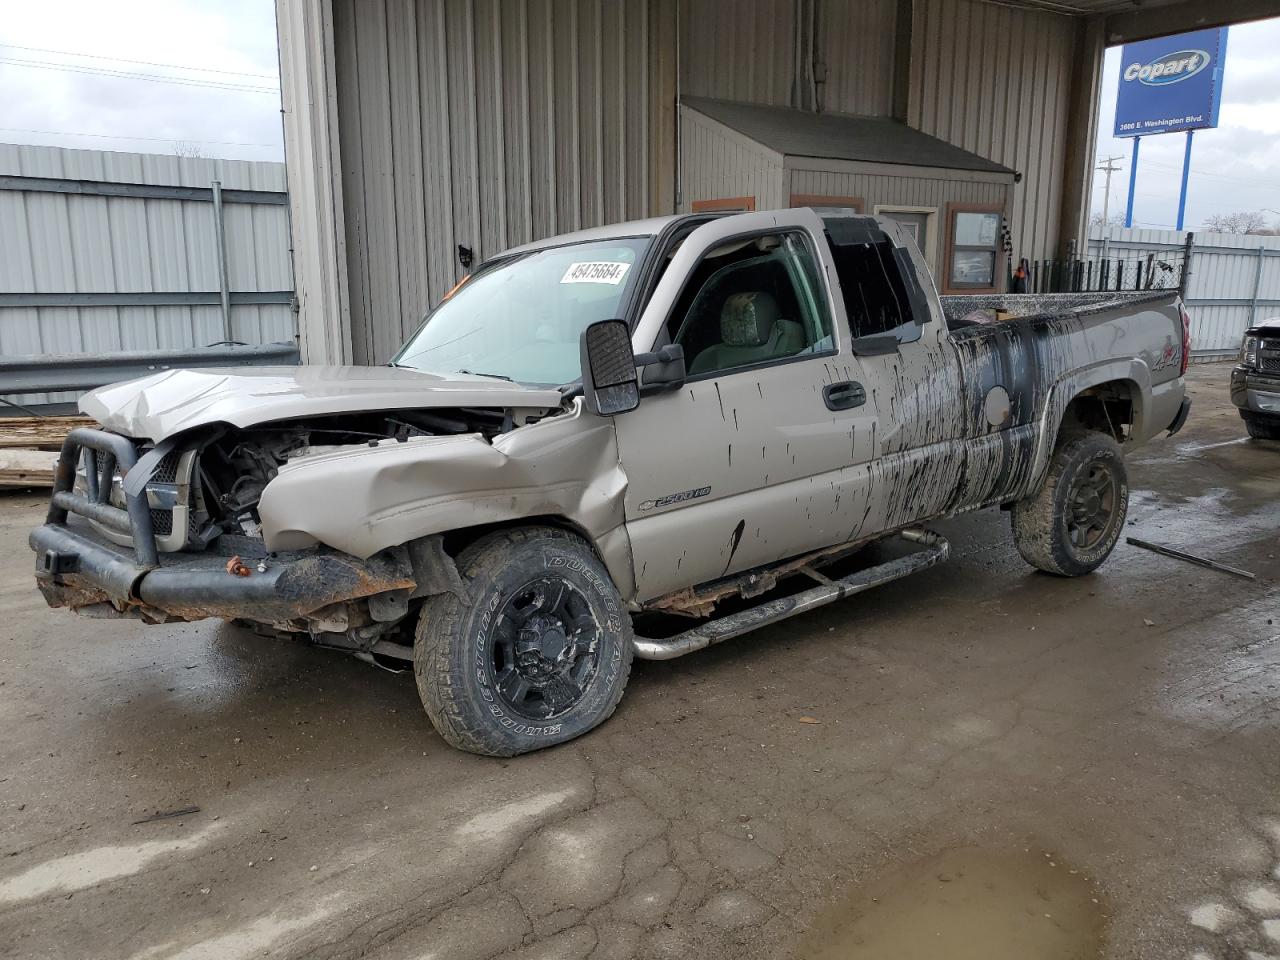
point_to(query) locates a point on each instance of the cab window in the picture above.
(750, 301)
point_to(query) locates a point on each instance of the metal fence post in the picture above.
(224, 288)
(1257, 288)
(1188, 247)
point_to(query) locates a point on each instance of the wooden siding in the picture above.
(717, 163)
(900, 190)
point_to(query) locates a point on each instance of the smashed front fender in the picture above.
(364, 499)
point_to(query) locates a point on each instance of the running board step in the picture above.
(772, 611)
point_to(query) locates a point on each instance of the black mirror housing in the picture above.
(610, 381)
(661, 370)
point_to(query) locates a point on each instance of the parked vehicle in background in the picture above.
(691, 417)
(1255, 380)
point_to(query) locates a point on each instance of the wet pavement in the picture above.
(1103, 751)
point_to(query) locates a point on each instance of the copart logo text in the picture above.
(1171, 68)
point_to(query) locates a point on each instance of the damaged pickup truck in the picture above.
(692, 420)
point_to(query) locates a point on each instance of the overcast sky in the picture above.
(55, 57)
(55, 88)
(1235, 167)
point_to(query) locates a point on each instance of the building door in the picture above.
(920, 223)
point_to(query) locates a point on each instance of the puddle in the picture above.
(964, 904)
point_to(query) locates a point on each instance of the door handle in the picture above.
(844, 396)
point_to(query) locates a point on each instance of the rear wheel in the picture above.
(1262, 428)
(536, 651)
(1070, 526)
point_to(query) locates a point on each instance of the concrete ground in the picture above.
(1124, 726)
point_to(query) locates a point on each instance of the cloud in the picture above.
(235, 36)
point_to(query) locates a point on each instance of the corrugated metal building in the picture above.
(422, 134)
(103, 252)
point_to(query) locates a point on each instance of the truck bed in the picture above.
(1025, 306)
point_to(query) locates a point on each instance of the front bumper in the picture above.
(77, 567)
(1254, 392)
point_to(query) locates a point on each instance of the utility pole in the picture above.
(1107, 166)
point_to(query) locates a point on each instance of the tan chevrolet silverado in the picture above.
(633, 441)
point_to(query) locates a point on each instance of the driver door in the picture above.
(739, 466)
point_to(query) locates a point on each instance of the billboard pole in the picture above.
(1186, 171)
(1133, 181)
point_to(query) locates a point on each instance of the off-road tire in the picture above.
(1040, 522)
(454, 633)
(1263, 428)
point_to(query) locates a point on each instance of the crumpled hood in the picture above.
(168, 403)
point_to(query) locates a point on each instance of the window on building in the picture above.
(724, 205)
(973, 248)
(750, 301)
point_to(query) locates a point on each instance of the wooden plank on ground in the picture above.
(27, 468)
(38, 433)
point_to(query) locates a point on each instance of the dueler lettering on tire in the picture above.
(1071, 524)
(537, 651)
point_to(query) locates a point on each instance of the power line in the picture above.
(120, 75)
(145, 63)
(112, 136)
(1221, 176)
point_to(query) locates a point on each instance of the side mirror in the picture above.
(610, 382)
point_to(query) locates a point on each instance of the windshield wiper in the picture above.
(495, 376)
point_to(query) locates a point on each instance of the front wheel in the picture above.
(1072, 524)
(1263, 428)
(536, 651)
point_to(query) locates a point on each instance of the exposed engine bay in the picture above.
(204, 488)
(212, 480)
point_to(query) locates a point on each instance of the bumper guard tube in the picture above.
(74, 570)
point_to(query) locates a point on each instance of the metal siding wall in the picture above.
(856, 40)
(1223, 267)
(484, 123)
(753, 58)
(750, 58)
(68, 243)
(717, 165)
(994, 80)
(908, 191)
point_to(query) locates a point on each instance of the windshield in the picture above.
(522, 319)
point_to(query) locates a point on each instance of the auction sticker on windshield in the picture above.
(596, 271)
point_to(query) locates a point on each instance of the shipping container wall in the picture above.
(54, 242)
(719, 164)
(485, 124)
(994, 80)
(1235, 279)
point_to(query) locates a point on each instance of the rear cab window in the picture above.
(883, 296)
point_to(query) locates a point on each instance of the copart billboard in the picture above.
(1171, 83)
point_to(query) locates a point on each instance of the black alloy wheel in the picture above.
(545, 650)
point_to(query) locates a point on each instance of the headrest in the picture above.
(748, 319)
